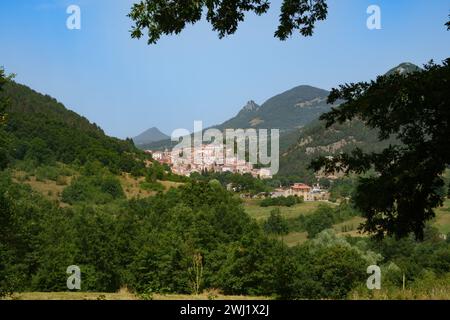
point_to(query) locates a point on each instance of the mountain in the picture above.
(149, 136)
(299, 147)
(41, 129)
(303, 137)
(286, 111)
(404, 68)
(315, 140)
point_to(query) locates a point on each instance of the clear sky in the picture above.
(126, 86)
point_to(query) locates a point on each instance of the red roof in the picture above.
(301, 186)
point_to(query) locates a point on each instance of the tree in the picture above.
(164, 17)
(3, 100)
(276, 224)
(320, 220)
(327, 271)
(3, 103)
(407, 184)
(196, 273)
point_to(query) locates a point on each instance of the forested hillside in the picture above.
(315, 140)
(41, 129)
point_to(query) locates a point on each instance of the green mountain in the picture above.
(315, 140)
(303, 137)
(287, 111)
(149, 136)
(298, 148)
(40, 128)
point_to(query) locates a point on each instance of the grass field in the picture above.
(52, 190)
(260, 213)
(348, 227)
(442, 220)
(122, 295)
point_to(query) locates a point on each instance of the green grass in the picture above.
(442, 220)
(261, 213)
(349, 226)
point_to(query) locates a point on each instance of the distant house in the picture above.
(157, 155)
(281, 192)
(301, 190)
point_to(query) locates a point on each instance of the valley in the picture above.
(137, 229)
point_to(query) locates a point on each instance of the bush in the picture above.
(281, 201)
(152, 186)
(97, 189)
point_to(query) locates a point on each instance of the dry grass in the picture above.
(170, 184)
(73, 296)
(122, 295)
(52, 190)
(132, 186)
(437, 293)
(48, 188)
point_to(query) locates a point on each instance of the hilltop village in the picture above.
(208, 158)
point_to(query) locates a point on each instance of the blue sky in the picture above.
(126, 86)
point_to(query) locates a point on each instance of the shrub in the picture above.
(152, 186)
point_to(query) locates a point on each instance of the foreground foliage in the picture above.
(415, 108)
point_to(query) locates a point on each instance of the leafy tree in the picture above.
(320, 220)
(3, 100)
(7, 237)
(276, 224)
(164, 17)
(288, 201)
(98, 189)
(4, 157)
(327, 271)
(399, 198)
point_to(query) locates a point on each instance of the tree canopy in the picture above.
(415, 108)
(3, 80)
(164, 17)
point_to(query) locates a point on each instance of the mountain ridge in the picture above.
(150, 135)
(286, 111)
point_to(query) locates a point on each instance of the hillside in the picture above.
(135, 237)
(41, 129)
(298, 148)
(286, 111)
(314, 140)
(149, 136)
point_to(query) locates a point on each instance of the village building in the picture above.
(300, 190)
(207, 157)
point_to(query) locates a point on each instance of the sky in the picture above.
(126, 86)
